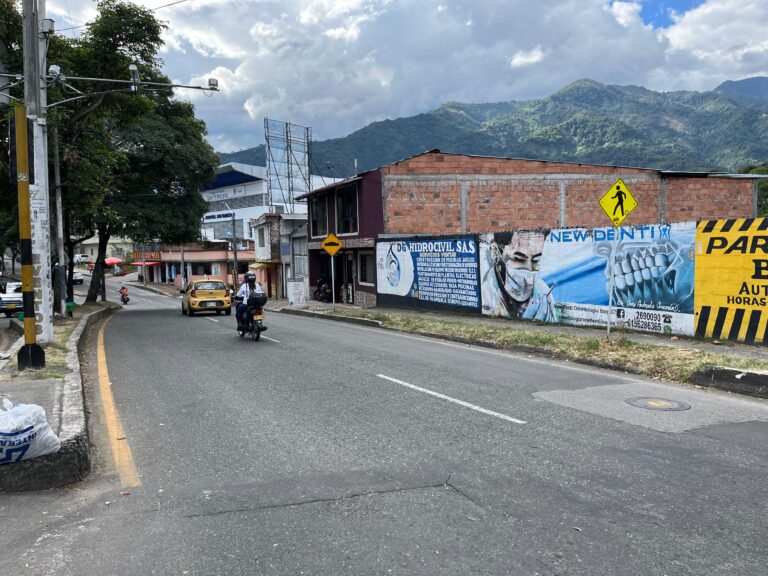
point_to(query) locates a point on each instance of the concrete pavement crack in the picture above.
(317, 500)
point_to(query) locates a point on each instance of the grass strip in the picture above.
(56, 351)
(655, 361)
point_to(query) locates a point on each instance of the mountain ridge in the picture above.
(585, 121)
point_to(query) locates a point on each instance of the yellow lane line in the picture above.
(121, 451)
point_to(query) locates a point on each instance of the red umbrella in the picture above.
(111, 261)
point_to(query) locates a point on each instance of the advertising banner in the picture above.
(732, 280)
(434, 272)
(564, 275)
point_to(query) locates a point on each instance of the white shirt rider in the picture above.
(246, 291)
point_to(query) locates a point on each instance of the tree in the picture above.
(132, 163)
(762, 189)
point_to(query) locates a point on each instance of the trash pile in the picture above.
(25, 433)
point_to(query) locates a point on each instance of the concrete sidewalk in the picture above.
(63, 401)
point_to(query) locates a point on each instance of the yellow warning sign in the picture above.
(618, 202)
(332, 244)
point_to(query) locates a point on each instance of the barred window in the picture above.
(367, 267)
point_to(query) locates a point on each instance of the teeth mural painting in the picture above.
(652, 268)
(646, 275)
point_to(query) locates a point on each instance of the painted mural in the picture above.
(510, 273)
(732, 280)
(564, 275)
(440, 271)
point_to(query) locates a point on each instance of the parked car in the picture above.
(203, 295)
(82, 258)
(77, 277)
(11, 299)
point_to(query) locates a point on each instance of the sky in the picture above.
(338, 65)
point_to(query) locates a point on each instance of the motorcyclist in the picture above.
(250, 286)
(124, 294)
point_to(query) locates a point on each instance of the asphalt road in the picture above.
(331, 448)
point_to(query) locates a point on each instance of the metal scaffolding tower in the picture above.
(288, 161)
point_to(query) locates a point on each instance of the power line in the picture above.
(166, 5)
(150, 9)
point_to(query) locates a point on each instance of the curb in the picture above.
(150, 289)
(72, 462)
(733, 380)
(744, 382)
(323, 315)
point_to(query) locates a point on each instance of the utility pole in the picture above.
(234, 243)
(35, 99)
(31, 355)
(183, 269)
(61, 268)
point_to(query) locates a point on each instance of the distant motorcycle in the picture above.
(124, 296)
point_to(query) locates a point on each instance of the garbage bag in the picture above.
(25, 433)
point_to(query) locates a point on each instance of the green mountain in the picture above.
(584, 122)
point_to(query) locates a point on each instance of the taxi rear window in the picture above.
(210, 286)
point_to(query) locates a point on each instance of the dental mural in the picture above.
(732, 280)
(511, 283)
(652, 268)
(564, 275)
(428, 272)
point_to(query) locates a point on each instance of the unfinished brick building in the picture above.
(440, 193)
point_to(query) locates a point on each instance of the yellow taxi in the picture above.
(204, 295)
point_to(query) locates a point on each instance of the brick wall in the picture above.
(708, 199)
(365, 299)
(451, 194)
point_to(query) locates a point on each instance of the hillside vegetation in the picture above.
(722, 130)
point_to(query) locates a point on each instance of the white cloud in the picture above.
(626, 13)
(523, 58)
(337, 65)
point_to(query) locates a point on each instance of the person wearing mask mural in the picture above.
(512, 287)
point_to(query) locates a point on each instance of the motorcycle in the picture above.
(124, 297)
(323, 292)
(253, 319)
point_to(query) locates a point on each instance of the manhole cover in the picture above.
(662, 404)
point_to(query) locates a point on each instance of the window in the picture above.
(201, 268)
(300, 267)
(367, 268)
(261, 237)
(346, 210)
(319, 216)
(210, 286)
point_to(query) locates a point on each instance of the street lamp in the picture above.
(134, 77)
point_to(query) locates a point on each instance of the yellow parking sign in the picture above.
(618, 202)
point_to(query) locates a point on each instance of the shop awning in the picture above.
(258, 266)
(146, 263)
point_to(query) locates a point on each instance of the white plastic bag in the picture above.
(25, 433)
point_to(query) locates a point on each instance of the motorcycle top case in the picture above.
(25, 433)
(257, 300)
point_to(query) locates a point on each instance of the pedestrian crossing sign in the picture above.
(618, 202)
